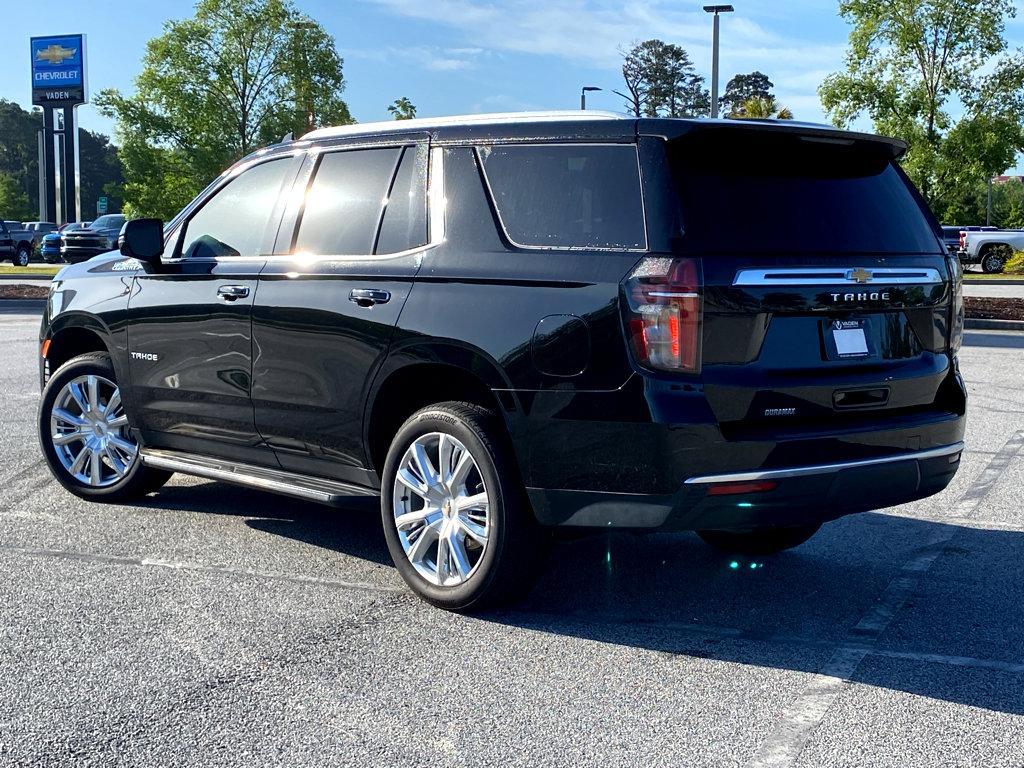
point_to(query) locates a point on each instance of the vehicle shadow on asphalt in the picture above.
(957, 636)
(354, 530)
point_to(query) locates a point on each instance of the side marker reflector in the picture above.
(45, 349)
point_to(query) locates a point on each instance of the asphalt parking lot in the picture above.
(211, 625)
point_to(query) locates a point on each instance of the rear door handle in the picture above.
(231, 293)
(367, 297)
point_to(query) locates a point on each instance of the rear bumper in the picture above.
(803, 494)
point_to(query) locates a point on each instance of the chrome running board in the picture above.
(952, 451)
(328, 492)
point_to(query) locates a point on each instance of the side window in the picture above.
(344, 202)
(234, 221)
(405, 216)
(567, 195)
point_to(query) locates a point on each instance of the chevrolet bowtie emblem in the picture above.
(55, 54)
(860, 275)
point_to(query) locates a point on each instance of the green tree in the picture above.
(937, 74)
(762, 107)
(741, 88)
(99, 165)
(661, 81)
(13, 200)
(237, 76)
(402, 109)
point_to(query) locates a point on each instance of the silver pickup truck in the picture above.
(16, 242)
(990, 249)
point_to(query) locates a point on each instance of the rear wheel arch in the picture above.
(404, 391)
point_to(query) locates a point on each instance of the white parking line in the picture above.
(801, 718)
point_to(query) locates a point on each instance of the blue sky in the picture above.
(458, 56)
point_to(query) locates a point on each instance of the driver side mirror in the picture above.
(143, 239)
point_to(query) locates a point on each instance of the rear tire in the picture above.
(21, 256)
(456, 518)
(992, 260)
(759, 541)
(85, 437)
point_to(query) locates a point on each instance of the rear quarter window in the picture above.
(567, 196)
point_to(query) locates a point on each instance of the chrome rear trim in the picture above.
(951, 451)
(816, 276)
(293, 484)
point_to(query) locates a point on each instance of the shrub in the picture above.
(1015, 264)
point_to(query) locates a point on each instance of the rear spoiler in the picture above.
(671, 129)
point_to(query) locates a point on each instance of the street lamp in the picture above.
(583, 94)
(715, 9)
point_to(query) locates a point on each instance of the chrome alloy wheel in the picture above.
(89, 431)
(442, 510)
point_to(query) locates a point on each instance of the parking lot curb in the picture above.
(991, 324)
(26, 276)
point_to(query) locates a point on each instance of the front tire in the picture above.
(455, 514)
(759, 541)
(85, 436)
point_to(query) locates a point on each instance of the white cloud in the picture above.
(428, 57)
(591, 32)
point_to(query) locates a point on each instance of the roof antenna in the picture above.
(286, 138)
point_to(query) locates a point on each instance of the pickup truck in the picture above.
(990, 249)
(16, 242)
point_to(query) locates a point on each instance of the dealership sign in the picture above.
(58, 70)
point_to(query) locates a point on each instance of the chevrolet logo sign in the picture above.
(860, 275)
(55, 54)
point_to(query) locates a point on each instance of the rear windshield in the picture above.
(747, 192)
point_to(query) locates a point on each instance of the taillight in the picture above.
(963, 240)
(664, 313)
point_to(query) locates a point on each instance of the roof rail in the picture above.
(459, 120)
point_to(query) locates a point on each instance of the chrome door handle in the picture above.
(367, 297)
(231, 293)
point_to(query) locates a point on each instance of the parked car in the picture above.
(39, 230)
(951, 234)
(990, 249)
(16, 242)
(97, 238)
(503, 324)
(49, 249)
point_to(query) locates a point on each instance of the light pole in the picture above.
(715, 9)
(303, 98)
(583, 94)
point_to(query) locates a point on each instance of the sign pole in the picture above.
(69, 185)
(49, 167)
(41, 140)
(59, 85)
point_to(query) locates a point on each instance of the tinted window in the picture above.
(108, 222)
(405, 217)
(234, 221)
(567, 196)
(344, 202)
(750, 192)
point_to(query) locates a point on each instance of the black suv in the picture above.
(504, 324)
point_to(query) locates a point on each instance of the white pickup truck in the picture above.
(990, 249)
